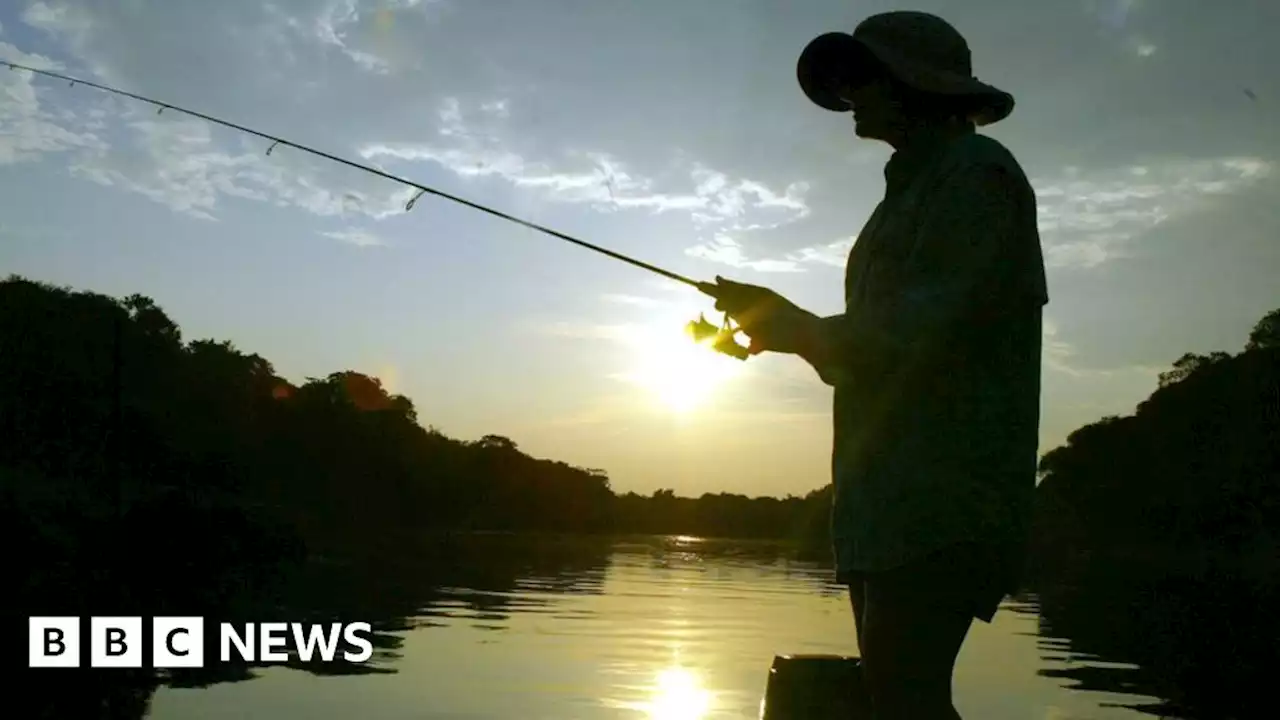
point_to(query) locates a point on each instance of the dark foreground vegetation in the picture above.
(1157, 539)
(1193, 474)
(144, 473)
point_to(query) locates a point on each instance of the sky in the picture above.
(671, 131)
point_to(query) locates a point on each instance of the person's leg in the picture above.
(912, 625)
(858, 600)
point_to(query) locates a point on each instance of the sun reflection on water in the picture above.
(678, 695)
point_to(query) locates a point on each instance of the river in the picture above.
(659, 628)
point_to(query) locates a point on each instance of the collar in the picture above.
(924, 148)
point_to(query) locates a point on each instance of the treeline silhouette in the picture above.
(107, 413)
(1190, 481)
(1156, 541)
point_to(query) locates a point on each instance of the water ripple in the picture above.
(667, 629)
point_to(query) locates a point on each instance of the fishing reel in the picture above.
(721, 337)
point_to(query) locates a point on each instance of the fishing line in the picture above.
(700, 329)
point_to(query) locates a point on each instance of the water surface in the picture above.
(664, 628)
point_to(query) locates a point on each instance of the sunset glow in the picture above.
(678, 373)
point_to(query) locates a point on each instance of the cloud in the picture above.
(727, 251)
(1058, 354)
(60, 18)
(835, 254)
(1088, 218)
(366, 36)
(1142, 48)
(496, 108)
(635, 300)
(194, 168)
(357, 237)
(727, 198)
(1116, 16)
(724, 249)
(468, 145)
(331, 29)
(182, 164)
(188, 165)
(29, 128)
(1085, 218)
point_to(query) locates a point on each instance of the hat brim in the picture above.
(822, 63)
(833, 56)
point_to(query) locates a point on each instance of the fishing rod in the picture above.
(722, 338)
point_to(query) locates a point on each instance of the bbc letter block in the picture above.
(53, 642)
(115, 642)
(177, 642)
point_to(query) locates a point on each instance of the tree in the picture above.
(1188, 364)
(497, 442)
(1266, 334)
(151, 319)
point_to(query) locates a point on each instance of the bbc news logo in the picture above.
(178, 642)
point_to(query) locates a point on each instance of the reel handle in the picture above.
(722, 337)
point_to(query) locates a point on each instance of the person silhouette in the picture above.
(935, 362)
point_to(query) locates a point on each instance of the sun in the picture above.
(678, 373)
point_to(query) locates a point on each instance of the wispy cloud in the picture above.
(1088, 218)
(28, 127)
(191, 166)
(1056, 352)
(357, 237)
(469, 143)
(333, 26)
(1058, 356)
(180, 163)
(725, 198)
(195, 168)
(363, 31)
(69, 20)
(728, 251)
(1116, 16)
(835, 254)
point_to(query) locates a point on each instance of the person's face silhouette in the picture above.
(878, 113)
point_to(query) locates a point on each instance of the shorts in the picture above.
(974, 577)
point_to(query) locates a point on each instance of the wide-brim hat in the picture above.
(921, 50)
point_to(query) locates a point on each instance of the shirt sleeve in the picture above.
(969, 226)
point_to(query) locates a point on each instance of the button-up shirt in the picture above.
(935, 362)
